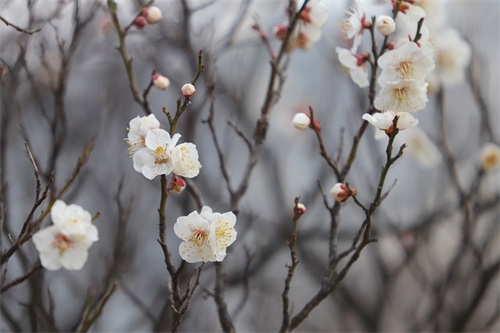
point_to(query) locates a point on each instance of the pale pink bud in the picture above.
(160, 81)
(301, 121)
(177, 184)
(299, 209)
(188, 90)
(280, 31)
(385, 25)
(152, 14)
(341, 192)
(140, 22)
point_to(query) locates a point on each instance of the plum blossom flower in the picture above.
(490, 157)
(311, 19)
(185, 158)
(354, 25)
(205, 235)
(356, 65)
(66, 242)
(402, 95)
(156, 157)
(138, 128)
(407, 62)
(384, 120)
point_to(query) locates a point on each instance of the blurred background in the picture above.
(432, 269)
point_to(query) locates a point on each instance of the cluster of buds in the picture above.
(149, 15)
(341, 192)
(301, 121)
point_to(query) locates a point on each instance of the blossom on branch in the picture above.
(385, 120)
(341, 192)
(402, 95)
(152, 14)
(205, 235)
(354, 25)
(138, 128)
(66, 242)
(385, 25)
(356, 65)
(301, 121)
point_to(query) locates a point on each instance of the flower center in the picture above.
(406, 69)
(161, 155)
(401, 93)
(491, 160)
(62, 243)
(199, 237)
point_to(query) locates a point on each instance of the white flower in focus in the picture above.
(402, 95)
(66, 242)
(407, 62)
(156, 158)
(355, 24)
(420, 147)
(385, 25)
(490, 157)
(185, 158)
(384, 120)
(206, 235)
(356, 64)
(138, 128)
(452, 56)
(301, 121)
(161, 82)
(152, 14)
(188, 90)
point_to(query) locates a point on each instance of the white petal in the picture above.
(360, 76)
(156, 138)
(141, 158)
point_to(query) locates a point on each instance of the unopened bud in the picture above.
(177, 184)
(188, 90)
(341, 192)
(385, 25)
(299, 209)
(280, 31)
(152, 14)
(160, 81)
(140, 22)
(490, 157)
(301, 121)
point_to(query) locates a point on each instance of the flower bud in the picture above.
(188, 90)
(301, 121)
(152, 14)
(299, 209)
(177, 184)
(490, 157)
(160, 81)
(385, 25)
(280, 31)
(140, 22)
(341, 192)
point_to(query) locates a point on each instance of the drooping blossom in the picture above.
(138, 128)
(354, 25)
(490, 157)
(356, 65)
(384, 120)
(66, 242)
(206, 235)
(402, 95)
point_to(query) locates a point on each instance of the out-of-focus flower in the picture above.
(407, 62)
(152, 14)
(301, 121)
(402, 95)
(453, 55)
(435, 12)
(188, 90)
(384, 120)
(300, 209)
(66, 242)
(206, 235)
(311, 19)
(185, 158)
(341, 192)
(177, 184)
(490, 157)
(420, 147)
(356, 65)
(156, 157)
(280, 31)
(385, 25)
(354, 25)
(140, 22)
(161, 82)
(138, 128)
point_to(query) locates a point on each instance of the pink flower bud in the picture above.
(341, 193)
(301, 121)
(188, 90)
(300, 209)
(152, 14)
(140, 22)
(160, 81)
(177, 184)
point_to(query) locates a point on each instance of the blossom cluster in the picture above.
(66, 242)
(155, 152)
(308, 29)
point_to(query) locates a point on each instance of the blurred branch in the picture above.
(18, 28)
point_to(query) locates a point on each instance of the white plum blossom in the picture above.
(435, 12)
(356, 65)
(384, 120)
(66, 242)
(312, 18)
(402, 95)
(407, 62)
(408, 17)
(156, 157)
(385, 25)
(185, 158)
(205, 235)
(420, 147)
(138, 128)
(490, 157)
(301, 121)
(355, 24)
(452, 56)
